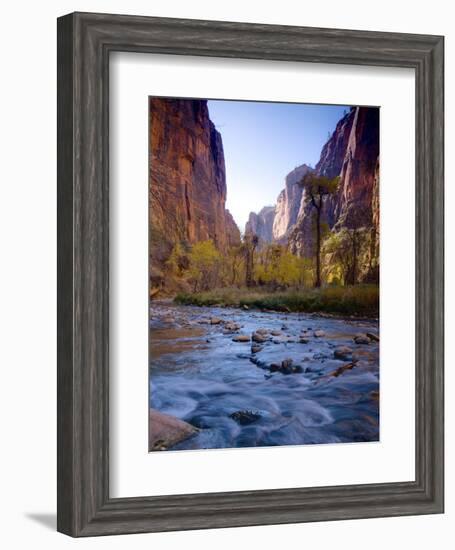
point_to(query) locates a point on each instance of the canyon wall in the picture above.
(354, 204)
(352, 154)
(187, 180)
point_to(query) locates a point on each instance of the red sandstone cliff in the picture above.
(352, 153)
(187, 180)
(360, 170)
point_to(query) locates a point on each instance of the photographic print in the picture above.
(263, 274)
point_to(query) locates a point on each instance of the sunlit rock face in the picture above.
(261, 224)
(273, 223)
(289, 203)
(187, 180)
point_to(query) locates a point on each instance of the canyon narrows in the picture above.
(352, 154)
(268, 336)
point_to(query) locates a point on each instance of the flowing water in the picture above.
(200, 375)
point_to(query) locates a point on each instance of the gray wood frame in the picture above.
(84, 43)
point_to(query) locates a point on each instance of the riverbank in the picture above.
(356, 301)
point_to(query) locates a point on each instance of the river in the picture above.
(238, 398)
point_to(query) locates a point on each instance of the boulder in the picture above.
(373, 336)
(343, 352)
(230, 326)
(259, 338)
(288, 367)
(166, 430)
(374, 395)
(285, 367)
(319, 333)
(216, 321)
(342, 369)
(245, 417)
(241, 338)
(361, 339)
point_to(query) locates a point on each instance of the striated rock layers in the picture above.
(352, 153)
(187, 180)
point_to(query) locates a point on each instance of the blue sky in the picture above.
(265, 141)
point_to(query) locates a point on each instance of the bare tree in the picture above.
(250, 243)
(318, 188)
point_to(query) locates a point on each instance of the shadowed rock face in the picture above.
(352, 153)
(359, 174)
(187, 180)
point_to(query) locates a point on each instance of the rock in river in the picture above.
(166, 430)
(343, 368)
(230, 326)
(373, 336)
(245, 417)
(319, 333)
(241, 338)
(168, 319)
(259, 338)
(216, 321)
(343, 352)
(285, 367)
(361, 339)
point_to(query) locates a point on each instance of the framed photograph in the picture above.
(250, 274)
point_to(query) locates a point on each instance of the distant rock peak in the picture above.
(288, 203)
(352, 153)
(261, 224)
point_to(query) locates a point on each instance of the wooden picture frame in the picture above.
(84, 43)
